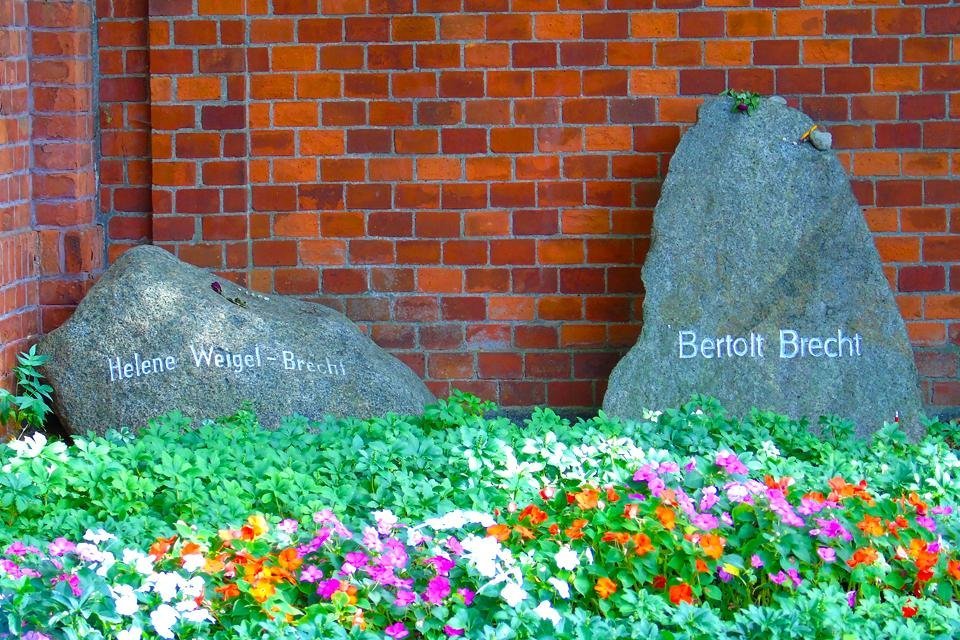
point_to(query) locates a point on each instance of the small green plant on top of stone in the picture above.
(744, 101)
(31, 406)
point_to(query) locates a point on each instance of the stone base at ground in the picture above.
(156, 334)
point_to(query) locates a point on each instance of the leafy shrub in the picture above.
(689, 523)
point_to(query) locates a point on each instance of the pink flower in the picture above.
(61, 546)
(311, 573)
(827, 554)
(289, 526)
(454, 546)
(397, 630)
(756, 561)
(405, 598)
(778, 578)
(440, 564)
(452, 631)
(467, 596)
(730, 463)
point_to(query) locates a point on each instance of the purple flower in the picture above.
(646, 473)
(61, 546)
(943, 510)
(216, 287)
(316, 544)
(327, 588)
(437, 589)
(356, 558)
(742, 107)
(726, 519)
(704, 521)
(405, 598)
(827, 554)
(452, 631)
(668, 467)
(756, 561)
(397, 630)
(311, 573)
(709, 499)
(724, 575)
(639, 497)
(852, 598)
(927, 523)
(17, 549)
(35, 635)
(467, 595)
(691, 465)
(656, 486)
(795, 577)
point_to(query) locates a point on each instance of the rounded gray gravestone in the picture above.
(153, 336)
(763, 285)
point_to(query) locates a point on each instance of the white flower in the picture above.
(125, 599)
(482, 553)
(567, 559)
(651, 415)
(386, 521)
(193, 562)
(458, 518)
(98, 536)
(139, 561)
(513, 593)
(192, 588)
(415, 538)
(770, 449)
(133, 633)
(165, 585)
(562, 587)
(198, 615)
(30, 446)
(163, 618)
(545, 611)
(107, 560)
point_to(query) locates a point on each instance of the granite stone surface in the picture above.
(154, 335)
(763, 285)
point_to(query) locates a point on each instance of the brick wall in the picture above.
(474, 180)
(50, 245)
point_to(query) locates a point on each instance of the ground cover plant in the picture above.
(688, 524)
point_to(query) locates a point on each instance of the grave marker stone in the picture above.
(763, 287)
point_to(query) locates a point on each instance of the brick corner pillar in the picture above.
(63, 183)
(19, 318)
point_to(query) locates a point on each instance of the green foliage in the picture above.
(744, 101)
(193, 479)
(30, 406)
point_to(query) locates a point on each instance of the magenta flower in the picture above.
(356, 558)
(646, 473)
(316, 544)
(467, 596)
(778, 578)
(827, 554)
(927, 523)
(795, 577)
(405, 598)
(756, 561)
(440, 564)
(852, 598)
(452, 631)
(327, 588)
(397, 630)
(730, 463)
(437, 589)
(454, 546)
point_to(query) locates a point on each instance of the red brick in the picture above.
(923, 278)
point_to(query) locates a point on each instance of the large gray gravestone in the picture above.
(153, 335)
(763, 285)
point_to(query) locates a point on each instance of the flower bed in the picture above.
(688, 524)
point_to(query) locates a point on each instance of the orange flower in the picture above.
(358, 620)
(536, 515)
(262, 590)
(667, 517)
(605, 587)
(525, 533)
(630, 511)
(702, 566)
(641, 542)
(228, 591)
(620, 537)
(499, 531)
(160, 548)
(612, 495)
(914, 500)
(190, 548)
(575, 530)
(871, 525)
(215, 565)
(909, 610)
(256, 526)
(863, 555)
(554, 529)
(289, 559)
(587, 499)
(953, 569)
(924, 559)
(681, 593)
(841, 489)
(712, 545)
